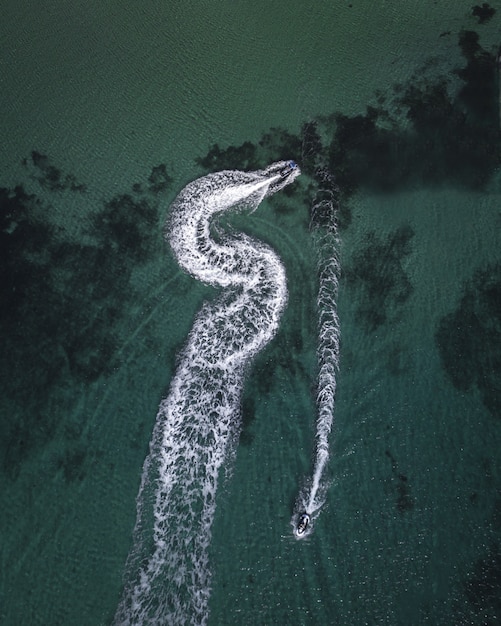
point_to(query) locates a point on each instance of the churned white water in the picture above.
(167, 577)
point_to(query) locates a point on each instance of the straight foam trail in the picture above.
(323, 228)
(167, 576)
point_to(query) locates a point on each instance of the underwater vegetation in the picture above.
(404, 501)
(61, 300)
(233, 157)
(49, 176)
(483, 12)
(483, 586)
(377, 273)
(276, 145)
(431, 131)
(434, 130)
(428, 135)
(469, 338)
(483, 589)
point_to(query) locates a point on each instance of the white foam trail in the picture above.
(167, 577)
(323, 228)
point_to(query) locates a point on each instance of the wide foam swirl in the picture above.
(167, 578)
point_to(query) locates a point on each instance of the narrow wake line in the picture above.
(167, 575)
(324, 232)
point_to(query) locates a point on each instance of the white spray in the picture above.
(167, 576)
(323, 229)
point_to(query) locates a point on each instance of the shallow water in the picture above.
(108, 112)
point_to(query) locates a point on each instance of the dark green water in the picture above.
(107, 111)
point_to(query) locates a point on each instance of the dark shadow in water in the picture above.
(483, 586)
(397, 359)
(248, 417)
(484, 12)
(72, 462)
(376, 273)
(126, 227)
(62, 303)
(276, 145)
(469, 339)
(444, 139)
(233, 157)
(483, 589)
(404, 501)
(159, 179)
(50, 177)
(427, 134)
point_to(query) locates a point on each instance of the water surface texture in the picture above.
(389, 243)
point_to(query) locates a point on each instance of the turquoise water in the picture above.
(107, 112)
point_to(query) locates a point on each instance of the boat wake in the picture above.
(323, 227)
(167, 576)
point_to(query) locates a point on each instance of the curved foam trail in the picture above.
(167, 576)
(324, 232)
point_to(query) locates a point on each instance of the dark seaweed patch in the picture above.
(62, 304)
(233, 157)
(404, 501)
(479, 97)
(496, 514)
(448, 139)
(426, 134)
(312, 150)
(396, 361)
(21, 241)
(127, 227)
(363, 155)
(483, 12)
(248, 417)
(280, 145)
(72, 463)
(483, 588)
(50, 177)
(22, 435)
(276, 145)
(159, 179)
(285, 353)
(376, 272)
(469, 339)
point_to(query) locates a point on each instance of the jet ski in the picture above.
(302, 524)
(291, 166)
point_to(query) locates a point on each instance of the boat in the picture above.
(290, 167)
(302, 524)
